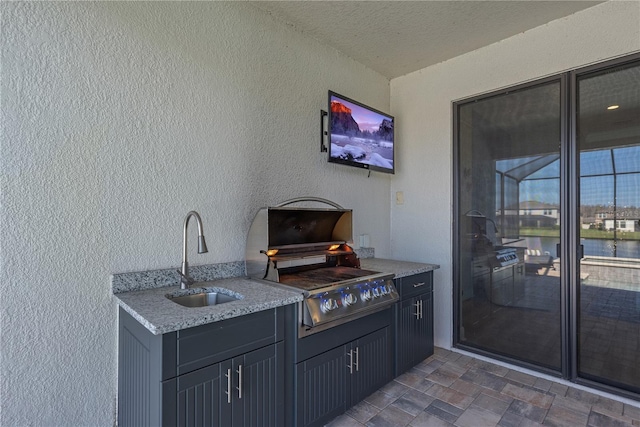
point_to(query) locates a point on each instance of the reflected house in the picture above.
(533, 214)
(624, 219)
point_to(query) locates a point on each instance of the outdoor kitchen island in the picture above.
(242, 362)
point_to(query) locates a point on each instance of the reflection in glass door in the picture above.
(547, 237)
(508, 209)
(608, 136)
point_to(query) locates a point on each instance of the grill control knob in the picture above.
(365, 295)
(328, 305)
(376, 292)
(349, 299)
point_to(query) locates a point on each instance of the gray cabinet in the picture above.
(261, 400)
(370, 364)
(242, 391)
(193, 398)
(228, 373)
(322, 387)
(414, 321)
(330, 383)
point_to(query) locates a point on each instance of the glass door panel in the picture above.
(608, 137)
(508, 203)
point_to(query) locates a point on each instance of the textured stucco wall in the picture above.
(118, 118)
(421, 228)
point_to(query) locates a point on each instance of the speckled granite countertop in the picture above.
(160, 315)
(399, 268)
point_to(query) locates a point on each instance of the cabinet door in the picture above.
(423, 332)
(414, 332)
(405, 333)
(322, 387)
(247, 390)
(230, 412)
(260, 396)
(195, 398)
(371, 360)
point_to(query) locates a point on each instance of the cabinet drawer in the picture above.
(204, 345)
(414, 285)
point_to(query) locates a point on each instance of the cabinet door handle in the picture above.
(350, 365)
(228, 392)
(357, 358)
(421, 311)
(417, 313)
(417, 285)
(239, 371)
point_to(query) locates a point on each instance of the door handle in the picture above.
(228, 392)
(417, 285)
(239, 388)
(417, 313)
(350, 365)
(580, 251)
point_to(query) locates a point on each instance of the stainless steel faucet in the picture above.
(185, 279)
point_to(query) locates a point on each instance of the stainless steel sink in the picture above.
(202, 299)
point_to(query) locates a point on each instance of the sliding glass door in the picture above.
(547, 225)
(608, 305)
(509, 223)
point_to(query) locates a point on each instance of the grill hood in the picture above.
(296, 233)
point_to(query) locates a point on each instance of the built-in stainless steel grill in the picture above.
(505, 257)
(308, 248)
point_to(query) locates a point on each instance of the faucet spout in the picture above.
(185, 279)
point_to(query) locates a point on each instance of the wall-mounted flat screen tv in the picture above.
(359, 135)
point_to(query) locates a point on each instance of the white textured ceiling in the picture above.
(398, 37)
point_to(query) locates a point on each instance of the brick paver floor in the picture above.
(451, 389)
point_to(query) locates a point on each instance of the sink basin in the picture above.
(203, 299)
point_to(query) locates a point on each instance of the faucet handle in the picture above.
(188, 281)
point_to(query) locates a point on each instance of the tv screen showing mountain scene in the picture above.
(360, 135)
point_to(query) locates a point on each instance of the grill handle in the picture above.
(309, 199)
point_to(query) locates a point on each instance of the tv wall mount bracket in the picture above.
(323, 131)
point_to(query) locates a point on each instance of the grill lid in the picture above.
(303, 226)
(296, 232)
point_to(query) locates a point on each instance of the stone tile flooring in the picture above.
(450, 389)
